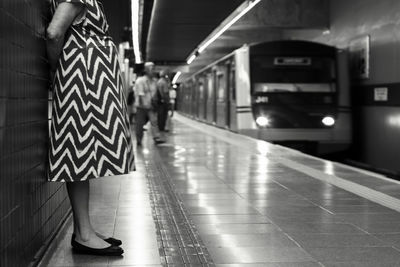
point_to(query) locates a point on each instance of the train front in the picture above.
(297, 96)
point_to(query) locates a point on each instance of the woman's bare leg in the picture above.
(78, 193)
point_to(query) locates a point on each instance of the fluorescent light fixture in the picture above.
(191, 58)
(135, 31)
(228, 25)
(176, 77)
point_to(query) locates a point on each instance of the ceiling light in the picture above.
(191, 58)
(135, 31)
(251, 4)
(176, 77)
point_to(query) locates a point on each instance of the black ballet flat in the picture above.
(108, 251)
(113, 241)
(110, 240)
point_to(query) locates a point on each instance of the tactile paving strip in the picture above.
(178, 241)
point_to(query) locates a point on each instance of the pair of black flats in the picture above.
(113, 250)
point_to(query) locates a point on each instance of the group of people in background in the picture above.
(152, 99)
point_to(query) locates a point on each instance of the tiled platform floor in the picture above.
(251, 203)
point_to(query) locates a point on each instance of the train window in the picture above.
(210, 86)
(293, 88)
(221, 85)
(201, 89)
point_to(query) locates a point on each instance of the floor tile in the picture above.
(337, 240)
(240, 255)
(296, 227)
(138, 256)
(272, 264)
(276, 239)
(229, 219)
(364, 254)
(211, 229)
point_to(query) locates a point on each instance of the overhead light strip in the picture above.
(176, 77)
(191, 58)
(228, 25)
(202, 47)
(135, 31)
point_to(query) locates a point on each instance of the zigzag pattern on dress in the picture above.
(90, 134)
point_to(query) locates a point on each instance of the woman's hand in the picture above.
(62, 19)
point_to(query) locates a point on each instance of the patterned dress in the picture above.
(90, 135)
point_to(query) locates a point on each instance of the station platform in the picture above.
(209, 197)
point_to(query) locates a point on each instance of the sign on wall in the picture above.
(381, 94)
(359, 49)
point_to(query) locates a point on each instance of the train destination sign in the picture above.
(292, 61)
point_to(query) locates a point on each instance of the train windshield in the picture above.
(293, 74)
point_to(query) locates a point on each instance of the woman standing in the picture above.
(90, 135)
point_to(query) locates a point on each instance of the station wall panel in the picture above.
(376, 123)
(31, 209)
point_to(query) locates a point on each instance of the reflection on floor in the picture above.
(248, 203)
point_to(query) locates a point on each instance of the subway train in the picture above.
(294, 93)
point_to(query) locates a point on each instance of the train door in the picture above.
(193, 106)
(232, 119)
(221, 88)
(210, 98)
(196, 93)
(199, 97)
(214, 78)
(201, 108)
(227, 95)
(205, 84)
(205, 97)
(187, 98)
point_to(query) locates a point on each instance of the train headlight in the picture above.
(263, 121)
(328, 121)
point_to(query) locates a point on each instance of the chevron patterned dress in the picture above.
(90, 135)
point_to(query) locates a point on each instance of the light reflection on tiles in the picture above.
(267, 200)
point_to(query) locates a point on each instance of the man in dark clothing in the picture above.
(163, 86)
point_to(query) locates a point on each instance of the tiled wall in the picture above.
(30, 208)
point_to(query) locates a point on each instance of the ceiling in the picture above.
(119, 19)
(178, 26)
(172, 29)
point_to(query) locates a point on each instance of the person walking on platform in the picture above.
(90, 136)
(172, 98)
(163, 85)
(131, 104)
(171, 108)
(146, 104)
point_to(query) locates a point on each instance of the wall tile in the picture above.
(30, 207)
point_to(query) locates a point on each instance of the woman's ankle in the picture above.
(85, 235)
